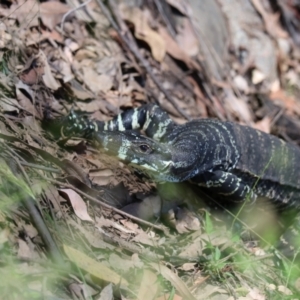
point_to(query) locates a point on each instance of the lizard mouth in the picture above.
(166, 166)
(162, 167)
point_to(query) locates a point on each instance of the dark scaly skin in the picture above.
(228, 160)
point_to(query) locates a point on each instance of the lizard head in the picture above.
(144, 153)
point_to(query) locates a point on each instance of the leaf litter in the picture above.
(59, 55)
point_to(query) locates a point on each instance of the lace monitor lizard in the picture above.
(229, 160)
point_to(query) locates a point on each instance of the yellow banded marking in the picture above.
(122, 153)
(120, 123)
(148, 121)
(95, 126)
(135, 120)
(162, 129)
(111, 125)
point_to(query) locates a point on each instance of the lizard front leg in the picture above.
(225, 184)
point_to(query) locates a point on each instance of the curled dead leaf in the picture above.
(144, 32)
(78, 204)
(97, 82)
(177, 52)
(48, 78)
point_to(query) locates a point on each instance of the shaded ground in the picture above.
(62, 233)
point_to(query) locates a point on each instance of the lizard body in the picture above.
(228, 159)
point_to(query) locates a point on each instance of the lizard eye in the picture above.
(144, 148)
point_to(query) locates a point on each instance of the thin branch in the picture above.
(39, 222)
(99, 202)
(71, 11)
(161, 6)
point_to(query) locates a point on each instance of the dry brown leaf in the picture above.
(32, 75)
(256, 294)
(5, 36)
(80, 92)
(149, 286)
(4, 233)
(284, 290)
(48, 78)
(96, 162)
(176, 51)
(257, 76)
(96, 107)
(85, 54)
(93, 267)
(103, 222)
(271, 21)
(188, 266)
(102, 181)
(181, 5)
(52, 35)
(137, 261)
(213, 292)
(104, 173)
(130, 225)
(107, 65)
(119, 263)
(31, 231)
(106, 293)
(65, 69)
(24, 250)
(26, 14)
(16, 130)
(193, 249)
(52, 194)
(263, 125)
(20, 85)
(241, 83)
(103, 177)
(144, 32)
(78, 204)
(288, 101)
(68, 49)
(78, 290)
(237, 106)
(30, 141)
(51, 13)
(97, 82)
(91, 237)
(116, 99)
(24, 102)
(81, 14)
(143, 238)
(34, 126)
(9, 105)
(186, 221)
(186, 38)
